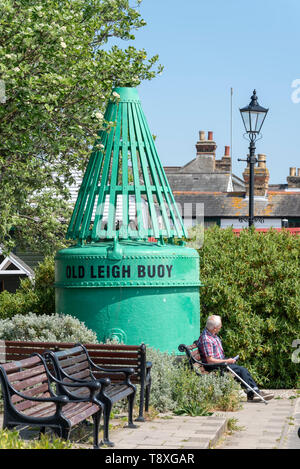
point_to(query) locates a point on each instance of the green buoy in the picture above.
(119, 283)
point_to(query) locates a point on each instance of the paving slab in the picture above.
(271, 426)
(179, 432)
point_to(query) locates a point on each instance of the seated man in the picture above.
(211, 352)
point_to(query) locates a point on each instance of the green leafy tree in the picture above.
(253, 282)
(57, 66)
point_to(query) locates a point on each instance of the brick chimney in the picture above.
(293, 179)
(206, 152)
(224, 165)
(261, 177)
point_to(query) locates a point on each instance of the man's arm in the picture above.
(216, 361)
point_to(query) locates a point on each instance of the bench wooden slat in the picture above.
(107, 354)
(38, 409)
(77, 351)
(25, 350)
(73, 359)
(114, 361)
(39, 390)
(17, 376)
(9, 367)
(83, 374)
(23, 404)
(63, 345)
(24, 384)
(31, 344)
(82, 414)
(75, 368)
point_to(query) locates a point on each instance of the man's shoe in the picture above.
(267, 395)
(250, 396)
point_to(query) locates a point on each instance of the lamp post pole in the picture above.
(252, 161)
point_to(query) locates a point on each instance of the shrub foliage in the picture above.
(44, 328)
(33, 296)
(253, 282)
(10, 439)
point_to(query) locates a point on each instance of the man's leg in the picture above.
(246, 376)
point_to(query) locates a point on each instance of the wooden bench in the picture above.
(195, 363)
(103, 355)
(30, 400)
(75, 365)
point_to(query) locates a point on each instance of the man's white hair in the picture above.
(213, 321)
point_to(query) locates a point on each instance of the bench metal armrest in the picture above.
(127, 371)
(57, 399)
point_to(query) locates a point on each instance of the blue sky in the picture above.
(207, 47)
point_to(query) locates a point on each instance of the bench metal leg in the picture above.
(130, 410)
(148, 389)
(140, 418)
(65, 433)
(96, 420)
(106, 416)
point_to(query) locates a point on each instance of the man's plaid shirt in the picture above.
(210, 345)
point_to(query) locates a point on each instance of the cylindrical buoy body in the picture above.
(131, 291)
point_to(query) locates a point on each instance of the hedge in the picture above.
(253, 282)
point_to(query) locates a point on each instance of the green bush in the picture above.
(201, 395)
(44, 328)
(35, 296)
(11, 440)
(253, 282)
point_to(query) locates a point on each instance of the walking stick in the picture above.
(247, 385)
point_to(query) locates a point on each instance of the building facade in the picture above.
(209, 181)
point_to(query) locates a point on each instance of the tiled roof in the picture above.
(220, 182)
(216, 204)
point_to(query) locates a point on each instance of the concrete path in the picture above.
(260, 426)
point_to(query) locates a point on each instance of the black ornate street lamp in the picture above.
(253, 117)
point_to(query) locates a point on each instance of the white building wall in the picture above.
(235, 223)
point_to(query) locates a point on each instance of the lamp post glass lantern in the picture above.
(253, 117)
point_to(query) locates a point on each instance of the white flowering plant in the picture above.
(45, 328)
